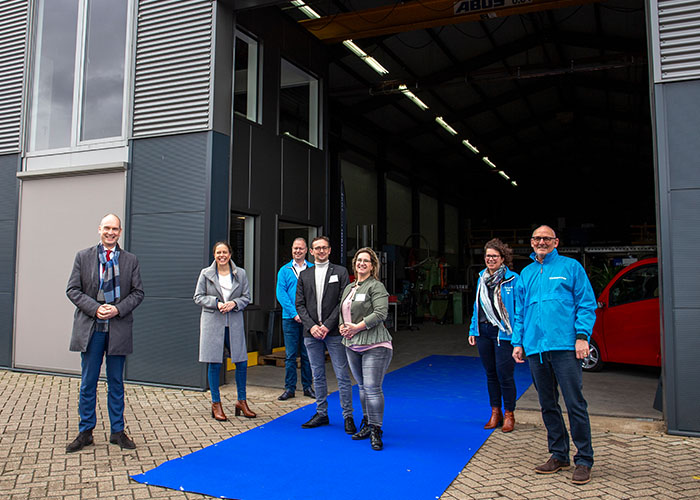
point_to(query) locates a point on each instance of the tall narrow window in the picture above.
(78, 77)
(54, 73)
(103, 68)
(245, 78)
(299, 100)
(243, 245)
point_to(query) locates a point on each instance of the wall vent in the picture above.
(676, 31)
(13, 49)
(173, 74)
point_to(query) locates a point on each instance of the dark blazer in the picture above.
(307, 308)
(82, 288)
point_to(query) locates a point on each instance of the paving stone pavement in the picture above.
(38, 417)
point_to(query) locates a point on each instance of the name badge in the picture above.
(360, 297)
(333, 278)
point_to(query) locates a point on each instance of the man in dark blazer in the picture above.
(105, 286)
(318, 305)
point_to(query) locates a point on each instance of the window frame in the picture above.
(249, 246)
(315, 122)
(250, 40)
(77, 145)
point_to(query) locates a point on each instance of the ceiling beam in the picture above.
(421, 14)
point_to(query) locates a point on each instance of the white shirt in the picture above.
(226, 284)
(320, 275)
(298, 269)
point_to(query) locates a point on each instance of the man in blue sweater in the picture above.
(291, 323)
(555, 312)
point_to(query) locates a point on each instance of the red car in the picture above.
(627, 327)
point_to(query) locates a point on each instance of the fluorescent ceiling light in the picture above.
(488, 162)
(515, 184)
(354, 48)
(413, 97)
(445, 125)
(469, 145)
(504, 175)
(369, 60)
(311, 13)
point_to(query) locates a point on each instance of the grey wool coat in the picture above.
(212, 322)
(82, 288)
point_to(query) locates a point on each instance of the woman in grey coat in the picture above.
(222, 292)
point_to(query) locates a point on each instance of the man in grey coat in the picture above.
(318, 305)
(105, 287)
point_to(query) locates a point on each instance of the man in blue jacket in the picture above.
(291, 322)
(556, 312)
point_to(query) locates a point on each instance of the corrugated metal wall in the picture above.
(168, 232)
(8, 242)
(173, 73)
(675, 32)
(674, 35)
(13, 43)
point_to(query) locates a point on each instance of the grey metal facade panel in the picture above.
(219, 190)
(8, 245)
(166, 343)
(171, 248)
(675, 39)
(7, 304)
(295, 179)
(173, 71)
(8, 232)
(241, 165)
(13, 42)
(687, 369)
(682, 102)
(265, 182)
(317, 184)
(169, 174)
(685, 234)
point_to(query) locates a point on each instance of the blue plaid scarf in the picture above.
(109, 282)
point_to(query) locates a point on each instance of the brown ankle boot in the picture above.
(495, 420)
(508, 421)
(242, 407)
(218, 412)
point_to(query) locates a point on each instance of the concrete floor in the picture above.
(618, 391)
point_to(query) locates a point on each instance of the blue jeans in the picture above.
(499, 365)
(369, 367)
(213, 372)
(562, 368)
(316, 349)
(91, 364)
(294, 346)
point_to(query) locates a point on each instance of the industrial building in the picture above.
(422, 128)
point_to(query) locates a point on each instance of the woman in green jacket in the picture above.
(364, 307)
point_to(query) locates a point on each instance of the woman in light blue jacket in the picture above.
(491, 330)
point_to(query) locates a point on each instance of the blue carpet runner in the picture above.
(433, 425)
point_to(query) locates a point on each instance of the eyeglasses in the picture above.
(364, 260)
(492, 257)
(320, 248)
(545, 239)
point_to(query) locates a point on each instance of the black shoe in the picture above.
(316, 421)
(309, 393)
(375, 437)
(122, 440)
(364, 431)
(350, 426)
(84, 439)
(287, 394)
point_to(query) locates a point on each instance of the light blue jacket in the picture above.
(287, 289)
(554, 303)
(508, 286)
